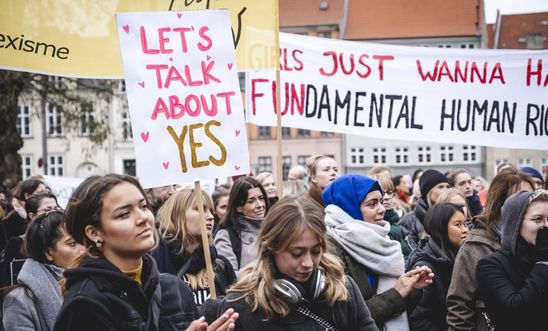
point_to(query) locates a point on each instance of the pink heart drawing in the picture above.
(165, 164)
(179, 15)
(170, 59)
(237, 167)
(208, 57)
(229, 66)
(144, 136)
(142, 84)
(126, 28)
(237, 133)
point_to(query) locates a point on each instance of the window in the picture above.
(324, 34)
(402, 155)
(446, 154)
(127, 133)
(129, 167)
(327, 134)
(379, 155)
(86, 119)
(286, 165)
(301, 160)
(55, 165)
(303, 133)
(53, 121)
(534, 40)
(23, 121)
(525, 162)
(286, 132)
(26, 166)
(424, 154)
(357, 156)
(264, 132)
(469, 153)
(264, 164)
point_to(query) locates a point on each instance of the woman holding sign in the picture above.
(295, 283)
(181, 252)
(116, 285)
(237, 237)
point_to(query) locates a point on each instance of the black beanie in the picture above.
(429, 179)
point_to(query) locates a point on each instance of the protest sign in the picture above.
(62, 187)
(183, 95)
(468, 96)
(79, 38)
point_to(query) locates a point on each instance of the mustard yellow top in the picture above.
(135, 273)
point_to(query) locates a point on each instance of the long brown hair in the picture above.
(504, 184)
(281, 227)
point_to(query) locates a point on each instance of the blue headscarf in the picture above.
(348, 192)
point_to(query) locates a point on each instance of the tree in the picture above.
(70, 95)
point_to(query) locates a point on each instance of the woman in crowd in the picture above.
(359, 237)
(237, 236)
(322, 170)
(392, 215)
(116, 285)
(295, 188)
(295, 284)
(16, 221)
(35, 206)
(452, 195)
(432, 183)
(220, 205)
(269, 184)
(403, 193)
(463, 310)
(181, 252)
(34, 302)
(513, 282)
(462, 181)
(446, 225)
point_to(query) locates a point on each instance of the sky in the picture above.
(512, 7)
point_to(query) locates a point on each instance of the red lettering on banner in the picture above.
(338, 60)
(208, 41)
(254, 94)
(174, 75)
(192, 105)
(538, 73)
(290, 63)
(182, 34)
(144, 43)
(470, 72)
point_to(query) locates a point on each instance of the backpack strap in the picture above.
(236, 243)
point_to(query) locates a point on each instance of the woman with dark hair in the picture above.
(464, 311)
(181, 251)
(34, 302)
(220, 206)
(295, 283)
(237, 237)
(446, 225)
(513, 281)
(116, 285)
(358, 235)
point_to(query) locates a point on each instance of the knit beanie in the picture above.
(532, 171)
(429, 179)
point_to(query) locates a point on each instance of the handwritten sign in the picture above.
(468, 96)
(79, 38)
(184, 98)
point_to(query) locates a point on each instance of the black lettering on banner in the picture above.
(391, 97)
(324, 103)
(413, 124)
(311, 88)
(341, 104)
(30, 46)
(358, 108)
(537, 124)
(378, 109)
(501, 120)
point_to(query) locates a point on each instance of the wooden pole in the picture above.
(205, 241)
(279, 177)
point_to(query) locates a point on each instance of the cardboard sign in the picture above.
(184, 97)
(79, 38)
(466, 96)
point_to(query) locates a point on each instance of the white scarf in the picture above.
(371, 247)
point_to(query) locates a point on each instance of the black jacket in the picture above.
(412, 222)
(474, 204)
(100, 297)
(169, 260)
(430, 309)
(351, 314)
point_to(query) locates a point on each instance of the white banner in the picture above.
(468, 96)
(62, 187)
(184, 96)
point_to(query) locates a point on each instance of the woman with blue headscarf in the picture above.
(354, 216)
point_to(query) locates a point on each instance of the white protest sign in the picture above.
(184, 96)
(469, 96)
(62, 187)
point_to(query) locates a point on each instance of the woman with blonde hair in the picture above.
(454, 196)
(181, 250)
(294, 283)
(267, 181)
(322, 171)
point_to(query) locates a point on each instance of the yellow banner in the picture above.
(78, 38)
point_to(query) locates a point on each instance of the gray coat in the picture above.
(248, 235)
(34, 305)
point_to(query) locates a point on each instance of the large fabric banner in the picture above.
(469, 96)
(78, 38)
(184, 97)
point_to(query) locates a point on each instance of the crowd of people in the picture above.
(427, 251)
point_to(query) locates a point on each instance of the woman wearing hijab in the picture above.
(354, 217)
